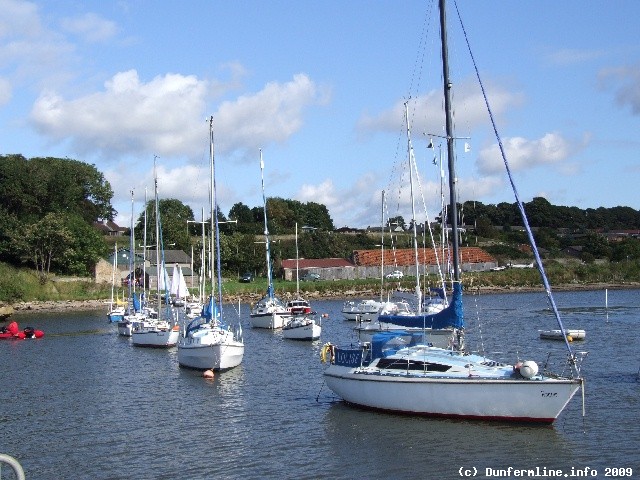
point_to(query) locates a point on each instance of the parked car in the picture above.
(310, 277)
(396, 274)
(246, 277)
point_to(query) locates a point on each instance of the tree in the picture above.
(173, 222)
(43, 242)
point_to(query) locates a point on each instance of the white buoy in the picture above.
(208, 374)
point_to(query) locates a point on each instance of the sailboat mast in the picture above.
(413, 208)
(211, 254)
(266, 230)
(159, 266)
(297, 264)
(382, 249)
(453, 180)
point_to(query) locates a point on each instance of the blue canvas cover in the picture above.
(136, 302)
(451, 316)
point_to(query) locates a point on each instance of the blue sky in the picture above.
(319, 86)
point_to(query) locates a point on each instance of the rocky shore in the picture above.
(65, 305)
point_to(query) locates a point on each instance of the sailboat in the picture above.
(206, 342)
(179, 289)
(133, 315)
(157, 332)
(447, 331)
(303, 323)
(269, 311)
(116, 306)
(413, 377)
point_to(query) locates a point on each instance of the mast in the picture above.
(144, 249)
(211, 255)
(297, 265)
(215, 254)
(159, 266)
(413, 208)
(382, 249)
(266, 232)
(131, 248)
(453, 180)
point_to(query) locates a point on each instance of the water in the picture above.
(84, 403)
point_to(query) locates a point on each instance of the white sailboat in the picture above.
(393, 374)
(206, 342)
(303, 323)
(269, 312)
(116, 306)
(159, 331)
(179, 290)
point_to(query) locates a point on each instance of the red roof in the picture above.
(406, 256)
(317, 263)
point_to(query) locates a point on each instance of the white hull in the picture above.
(302, 328)
(489, 399)
(557, 334)
(125, 328)
(210, 347)
(364, 311)
(155, 337)
(214, 357)
(271, 320)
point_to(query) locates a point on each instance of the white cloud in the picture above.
(348, 207)
(427, 114)
(19, 18)
(166, 116)
(523, 154)
(91, 27)
(270, 115)
(163, 116)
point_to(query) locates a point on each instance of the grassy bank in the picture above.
(23, 285)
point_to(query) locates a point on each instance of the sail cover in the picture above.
(451, 316)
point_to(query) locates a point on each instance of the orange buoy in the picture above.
(208, 374)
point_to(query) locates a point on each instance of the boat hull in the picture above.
(557, 334)
(214, 357)
(271, 320)
(155, 338)
(522, 400)
(302, 330)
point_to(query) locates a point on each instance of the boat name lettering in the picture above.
(549, 394)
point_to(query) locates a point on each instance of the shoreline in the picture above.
(83, 305)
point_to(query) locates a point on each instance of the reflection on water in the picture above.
(84, 403)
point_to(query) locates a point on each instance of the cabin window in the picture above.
(396, 364)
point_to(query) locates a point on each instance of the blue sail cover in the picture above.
(451, 316)
(208, 309)
(136, 302)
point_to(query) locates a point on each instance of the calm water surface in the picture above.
(83, 403)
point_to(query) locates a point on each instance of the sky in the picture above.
(320, 87)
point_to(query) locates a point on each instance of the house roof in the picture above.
(426, 256)
(316, 263)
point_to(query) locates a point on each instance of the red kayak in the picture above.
(12, 331)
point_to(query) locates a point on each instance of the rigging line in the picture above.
(428, 225)
(534, 247)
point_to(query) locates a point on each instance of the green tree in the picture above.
(43, 242)
(173, 221)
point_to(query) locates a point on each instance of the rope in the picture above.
(534, 247)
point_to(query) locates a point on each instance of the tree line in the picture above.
(48, 206)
